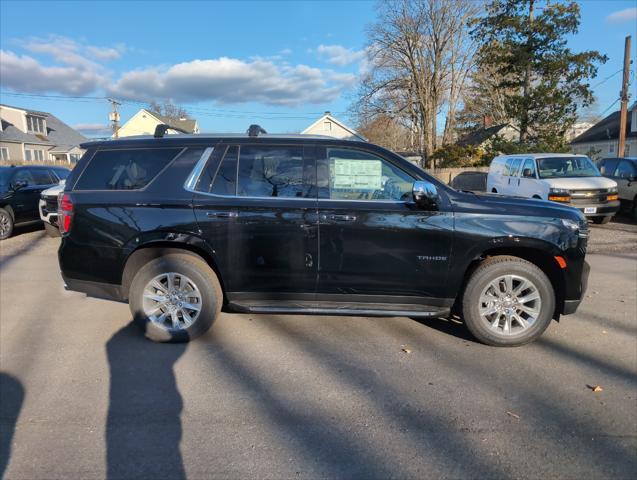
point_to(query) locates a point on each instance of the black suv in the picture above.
(185, 225)
(20, 189)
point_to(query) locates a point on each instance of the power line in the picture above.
(212, 112)
(611, 106)
(606, 79)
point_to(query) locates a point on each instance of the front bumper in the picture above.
(600, 209)
(46, 213)
(570, 305)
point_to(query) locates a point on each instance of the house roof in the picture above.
(58, 132)
(606, 129)
(329, 117)
(478, 137)
(187, 124)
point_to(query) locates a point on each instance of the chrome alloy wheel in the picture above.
(510, 304)
(172, 301)
(5, 224)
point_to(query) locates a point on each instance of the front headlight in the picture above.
(570, 224)
(612, 190)
(559, 195)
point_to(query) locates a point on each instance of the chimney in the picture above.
(487, 121)
(327, 112)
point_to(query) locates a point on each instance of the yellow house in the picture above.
(145, 121)
(331, 127)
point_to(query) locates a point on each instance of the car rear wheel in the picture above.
(601, 220)
(175, 298)
(6, 224)
(508, 302)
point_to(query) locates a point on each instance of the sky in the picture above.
(231, 64)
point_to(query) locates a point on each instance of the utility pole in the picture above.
(524, 124)
(113, 116)
(624, 100)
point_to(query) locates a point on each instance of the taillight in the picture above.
(65, 212)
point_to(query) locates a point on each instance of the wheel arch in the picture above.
(8, 208)
(541, 258)
(150, 251)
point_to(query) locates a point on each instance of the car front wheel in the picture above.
(175, 298)
(601, 220)
(508, 302)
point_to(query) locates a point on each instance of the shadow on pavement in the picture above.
(30, 245)
(11, 399)
(143, 427)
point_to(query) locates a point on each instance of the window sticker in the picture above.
(357, 174)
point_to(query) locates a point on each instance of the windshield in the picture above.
(563, 167)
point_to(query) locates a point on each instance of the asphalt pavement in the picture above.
(84, 395)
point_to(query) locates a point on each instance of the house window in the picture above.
(36, 124)
(327, 126)
(4, 154)
(33, 155)
(75, 157)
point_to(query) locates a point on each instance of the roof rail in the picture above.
(162, 128)
(255, 130)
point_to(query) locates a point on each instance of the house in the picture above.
(145, 121)
(601, 140)
(329, 126)
(34, 136)
(483, 136)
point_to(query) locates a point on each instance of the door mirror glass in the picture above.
(426, 195)
(527, 173)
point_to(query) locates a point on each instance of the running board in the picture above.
(334, 308)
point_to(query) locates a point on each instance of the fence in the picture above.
(448, 174)
(48, 163)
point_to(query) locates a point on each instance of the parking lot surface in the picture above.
(84, 395)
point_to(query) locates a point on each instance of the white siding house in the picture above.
(601, 140)
(329, 126)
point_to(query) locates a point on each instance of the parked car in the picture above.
(569, 179)
(624, 172)
(183, 225)
(20, 189)
(48, 208)
(470, 181)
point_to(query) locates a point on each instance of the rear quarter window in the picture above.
(130, 169)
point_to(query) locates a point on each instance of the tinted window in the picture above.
(226, 180)
(124, 169)
(514, 166)
(358, 175)
(608, 166)
(61, 173)
(23, 175)
(624, 170)
(42, 176)
(273, 172)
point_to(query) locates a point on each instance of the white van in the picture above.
(559, 177)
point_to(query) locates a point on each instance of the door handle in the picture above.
(222, 214)
(342, 218)
(309, 261)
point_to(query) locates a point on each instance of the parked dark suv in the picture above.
(20, 188)
(183, 226)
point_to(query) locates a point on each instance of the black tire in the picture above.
(51, 230)
(200, 274)
(6, 224)
(601, 220)
(490, 270)
(493, 190)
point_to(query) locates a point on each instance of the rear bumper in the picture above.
(106, 291)
(570, 305)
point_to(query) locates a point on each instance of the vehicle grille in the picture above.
(589, 197)
(51, 204)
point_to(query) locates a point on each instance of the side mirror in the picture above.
(19, 184)
(425, 195)
(527, 173)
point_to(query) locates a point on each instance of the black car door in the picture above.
(28, 183)
(373, 240)
(256, 206)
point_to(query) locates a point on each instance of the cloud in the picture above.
(285, 51)
(230, 80)
(626, 15)
(26, 74)
(339, 55)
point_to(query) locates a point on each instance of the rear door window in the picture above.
(607, 166)
(124, 169)
(41, 176)
(624, 170)
(273, 171)
(514, 166)
(226, 180)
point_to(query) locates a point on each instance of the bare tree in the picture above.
(419, 58)
(169, 110)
